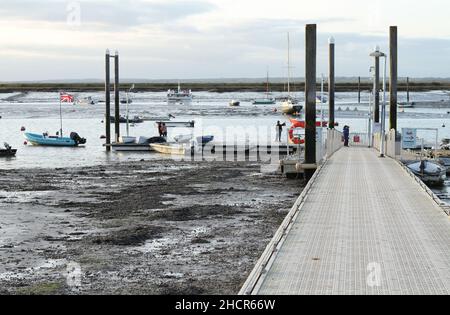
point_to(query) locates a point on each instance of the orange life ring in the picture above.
(294, 140)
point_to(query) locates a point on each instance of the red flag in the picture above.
(66, 98)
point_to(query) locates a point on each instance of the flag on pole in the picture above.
(66, 98)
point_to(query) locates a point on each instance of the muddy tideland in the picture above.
(158, 227)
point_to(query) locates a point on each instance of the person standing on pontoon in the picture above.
(280, 130)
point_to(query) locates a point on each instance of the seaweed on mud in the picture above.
(194, 213)
(130, 237)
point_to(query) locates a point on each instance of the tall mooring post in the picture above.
(331, 84)
(407, 90)
(310, 94)
(108, 100)
(376, 84)
(117, 96)
(359, 90)
(393, 77)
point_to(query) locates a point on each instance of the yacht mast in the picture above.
(289, 65)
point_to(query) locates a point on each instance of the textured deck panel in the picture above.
(366, 228)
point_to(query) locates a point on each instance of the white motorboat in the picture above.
(133, 144)
(179, 95)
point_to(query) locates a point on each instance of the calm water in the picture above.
(39, 112)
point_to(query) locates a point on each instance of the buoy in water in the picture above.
(102, 137)
(25, 143)
(23, 129)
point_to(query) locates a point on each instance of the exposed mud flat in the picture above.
(138, 228)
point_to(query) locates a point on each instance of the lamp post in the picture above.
(372, 78)
(377, 54)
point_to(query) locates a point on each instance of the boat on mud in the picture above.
(8, 151)
(133, 144)
(175, 124)
(431, 173)
(172, 149)
(268, 99)
(123, 120)
(234, 103)
(54, 141)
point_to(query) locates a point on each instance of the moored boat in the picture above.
(172, 149)
(7, 151)
(132, 144)
(290, 108)
(234, 103)
(429, 172)
(179, 95)
(54, 141)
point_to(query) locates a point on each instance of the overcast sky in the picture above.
(180, 39)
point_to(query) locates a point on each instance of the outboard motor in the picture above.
(76, 137)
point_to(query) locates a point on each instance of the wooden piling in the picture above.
(377, 90)
(331, 84)
(108, 100)
(393, 77)
(310, 94)
(359, 90)
(117, 97)
(407, 90)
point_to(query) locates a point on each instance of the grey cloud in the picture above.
(124, 13)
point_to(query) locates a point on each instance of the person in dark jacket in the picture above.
(280, 130)
(346, 135)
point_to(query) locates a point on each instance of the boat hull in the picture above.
(7, 153)
(264, 102)
(430, 173)
(290, 108)
(169, 149)
(40, 140)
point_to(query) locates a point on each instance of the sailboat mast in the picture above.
(268, 91)
(60, 117)
(289, 65)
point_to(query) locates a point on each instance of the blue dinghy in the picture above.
(45, 140)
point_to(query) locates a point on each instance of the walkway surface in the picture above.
(366, 227)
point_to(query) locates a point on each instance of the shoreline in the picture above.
(210, 87)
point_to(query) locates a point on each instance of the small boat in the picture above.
(179, 95)
(187, 124)
(429, 172)
(7, 151)
(268, 100)
(234, 103)
(55, 141)
(405, 105)
(85, 101)
(132, 144)
(183, 138)
(171, 149)
(125, 101)
(265, 101)
(123, 120)
(288, 107)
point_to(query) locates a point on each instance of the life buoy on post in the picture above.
(294, 140)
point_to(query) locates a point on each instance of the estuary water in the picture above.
(39, 112)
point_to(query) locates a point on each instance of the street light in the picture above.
(377, 54)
